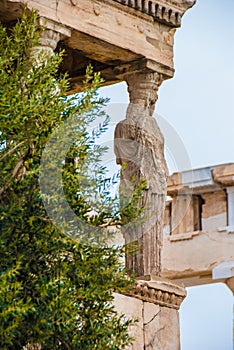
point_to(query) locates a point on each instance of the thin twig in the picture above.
(64, 343)
(12, 150)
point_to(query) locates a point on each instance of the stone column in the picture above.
(183, 210)
(48, 42)
(230, 194)
(225, 271)
(139, 148)
(230, 284)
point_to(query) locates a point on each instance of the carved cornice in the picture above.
(224, 175)
(168, 12)
(160, 292)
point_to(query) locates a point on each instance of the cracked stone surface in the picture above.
(132, 308)
(162, 330)
(157, 327)
(150, 312)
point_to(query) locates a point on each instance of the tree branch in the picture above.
(12, 150)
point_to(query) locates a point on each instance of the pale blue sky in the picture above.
(198, 104)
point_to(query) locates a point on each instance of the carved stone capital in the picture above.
(161, 292)
(51, 35)
(32, 346)
(48, 42)
(143, 89)
(50, 38)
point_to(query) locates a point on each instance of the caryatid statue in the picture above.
(139, 148)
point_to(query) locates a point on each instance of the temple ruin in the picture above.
(199, 226)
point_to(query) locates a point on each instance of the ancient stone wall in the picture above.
(214, 210)
(198, 225)
(155, 305)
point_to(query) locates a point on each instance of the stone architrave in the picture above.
(139, 148)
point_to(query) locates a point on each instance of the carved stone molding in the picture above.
(160, 292)
(166, 12)
(32, 347)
